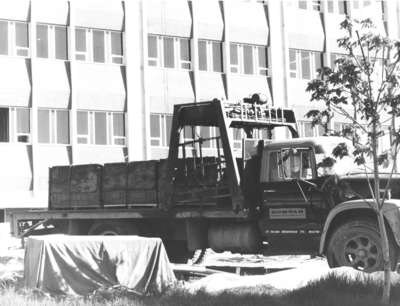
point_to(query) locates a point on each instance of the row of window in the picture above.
(338, 7)
(93, 127)
(175, 52)
(160, 130)
(91, 45)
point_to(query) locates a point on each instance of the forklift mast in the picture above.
(249, 115)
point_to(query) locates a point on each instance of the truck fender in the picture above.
(391, 212)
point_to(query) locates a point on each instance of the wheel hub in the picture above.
(362, 253)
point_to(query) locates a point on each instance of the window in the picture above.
(237, 138)
(101, 128)
(360, 4)
(248, 59)
(338, 7)
(99, 46)
(169, 52)
(53, 126)
(51, 41)
(160, 129)
(290, 163)
(15, 124)
(210, 55)
(311, 5)
(342, 7)
(21, 39)
(14, 38)
(307, 130)
(304, 64)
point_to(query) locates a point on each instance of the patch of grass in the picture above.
(331, 291)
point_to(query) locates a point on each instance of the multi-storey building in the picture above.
(95, 81)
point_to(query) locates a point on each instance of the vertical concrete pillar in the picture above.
(226, 47)
(73, 107)
(34, 108)
(138, 116)
(195, 51)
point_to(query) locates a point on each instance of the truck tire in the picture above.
(113, 228)
(357, 244)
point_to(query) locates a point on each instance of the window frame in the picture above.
(316, 130)
(53, 126)
(159, 61)
(312, 5)
(163, 130)
(51, 41)
(12, 47)
(13, 133)
(210, 55)
(91, 128)
(297, 73)
(256, 68)
(89, 53)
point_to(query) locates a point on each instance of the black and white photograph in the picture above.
(200, 152)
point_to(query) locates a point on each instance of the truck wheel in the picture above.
(113, 228)
(357, 244)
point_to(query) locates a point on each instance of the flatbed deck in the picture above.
(37, 214)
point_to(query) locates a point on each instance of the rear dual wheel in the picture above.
(111, 228)
(176, 249)
(358, 244)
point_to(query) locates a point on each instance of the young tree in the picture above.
(363, 88)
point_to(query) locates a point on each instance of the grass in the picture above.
(331, 291)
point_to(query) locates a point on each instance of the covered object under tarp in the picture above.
(78, 265)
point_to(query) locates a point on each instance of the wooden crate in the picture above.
(86, 186)
(114, 184)
(59, 185)
(142, 175)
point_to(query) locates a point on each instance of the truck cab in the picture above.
(293, 197)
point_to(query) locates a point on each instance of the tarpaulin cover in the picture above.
(78, 265)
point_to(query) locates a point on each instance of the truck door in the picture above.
(292, 202)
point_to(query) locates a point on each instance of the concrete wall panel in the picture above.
(169, 17)
(50, 11)
(99, 87)
(15, 89)
(244, 86)
(169, 87)
(52, 84)
(211, 86)
(248, 17)
(305, 30)
(210, 22)
(98, 154)
(297, 94)
(15, 10)
(103, 14)
(16, 167)
(333, 32)
(48, 156)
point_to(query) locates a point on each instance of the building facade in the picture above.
(95, 81)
